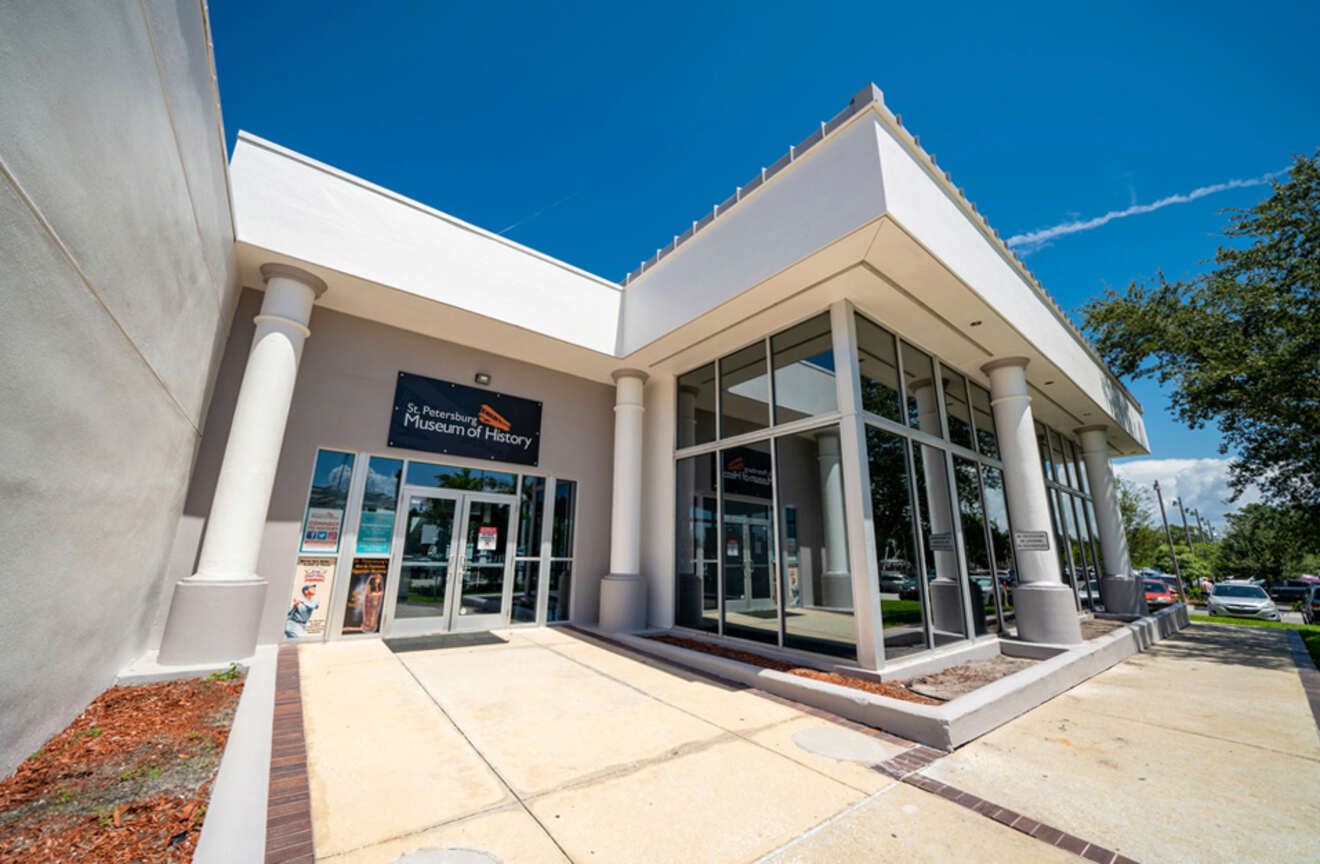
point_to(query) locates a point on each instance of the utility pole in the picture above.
(1188, 534)
(1169, 537)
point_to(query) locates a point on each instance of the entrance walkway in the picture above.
(553, 746)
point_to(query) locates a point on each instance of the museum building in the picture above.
(833, 417)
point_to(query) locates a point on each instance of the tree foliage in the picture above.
(1265, 542)
(1143, 537)
(1239, 346)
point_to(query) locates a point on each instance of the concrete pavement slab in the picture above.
(903, 824)
(730, 802)
(509, 836)
(840, 753)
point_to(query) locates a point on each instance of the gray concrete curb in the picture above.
(956, 722)
(235, 824)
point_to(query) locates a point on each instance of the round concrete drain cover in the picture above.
(446, 856)
(844, 745)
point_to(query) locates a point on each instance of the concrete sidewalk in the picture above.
(554, 746)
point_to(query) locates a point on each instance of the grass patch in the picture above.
(1310, 633)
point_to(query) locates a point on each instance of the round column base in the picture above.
(1123, 595)
(836, 589)
(1046, 612)
(212, 621)
(946, 605)
(622, 603)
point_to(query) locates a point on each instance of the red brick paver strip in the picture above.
(288, 801)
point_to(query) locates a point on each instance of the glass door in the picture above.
(484, 563)
(425, 559)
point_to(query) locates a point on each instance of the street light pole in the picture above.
(1169, 537)
(1188, 534)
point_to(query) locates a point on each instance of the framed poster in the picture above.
(366, 595)
(375, 530)
(307, 613)
(321, 531)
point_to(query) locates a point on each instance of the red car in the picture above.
(1159, 594)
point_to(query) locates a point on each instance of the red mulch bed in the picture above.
(893, 691)
(127, 781)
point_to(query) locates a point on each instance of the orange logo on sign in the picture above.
(491, 417)
(735, 464)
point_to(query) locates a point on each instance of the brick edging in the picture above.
(288, 801)
(1307, 672)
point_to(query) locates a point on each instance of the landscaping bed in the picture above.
(127, 781)
(1094, 628)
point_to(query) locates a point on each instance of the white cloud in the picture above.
(1201, 483)
(1033, 241)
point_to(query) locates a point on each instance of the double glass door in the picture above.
(453, 561)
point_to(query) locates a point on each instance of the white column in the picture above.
(944, 590)
(622, 592)
(1044, 606)
(216, 612)
(1119, 591)
(835, 577)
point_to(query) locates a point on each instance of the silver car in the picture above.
(1242, 600)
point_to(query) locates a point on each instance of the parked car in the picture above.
(1242, 600)
(1158, 594)
(1311, 606)
(1289, 590)
(1172, 582)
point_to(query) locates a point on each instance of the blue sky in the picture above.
(598, 131)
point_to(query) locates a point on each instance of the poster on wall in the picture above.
(366, 595)
(321, 533)
(444, 417)
(375, 529)
(312, 580)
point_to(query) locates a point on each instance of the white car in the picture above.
(1242, 600)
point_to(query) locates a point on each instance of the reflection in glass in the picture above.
(561, 577)
(878, 365)
(1061, 532)
(324, 517)
(696, 544)
(524, 590)
(1063, 466)
(454, 477)
(955, 406)
(981, 576)
(901, 594)
(484, 553)
(561, 551)
(531, 511)
(696, 406)
(744, 391)
(427, 545)
(379, 498)
(817, 586)
(1080, 462)
(1001, 541)
(803, 358)
(1095, 540)
(986, 439)
(1088, 580)
(936, 516)
(923, 408)
(751, 603)
(1046, 460)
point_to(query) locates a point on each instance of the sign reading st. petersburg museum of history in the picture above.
(444, 417)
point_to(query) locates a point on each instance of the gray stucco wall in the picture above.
(117, 288)
(343, 400)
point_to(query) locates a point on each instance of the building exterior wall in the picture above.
(343, 400)
(118, 287)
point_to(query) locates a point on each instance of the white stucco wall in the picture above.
(117, 290)
(343, 400)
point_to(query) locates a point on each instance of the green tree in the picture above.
(1239, 346)
(1138, 523)
(1265, 542)
(1192, 567)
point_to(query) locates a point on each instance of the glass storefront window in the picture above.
(1088, 584)
(323, 520)
(1061, 538)
(696, 406)
(561, 551)
(944, 589)
(803, 358)
(817, 580)
(525, 572)
(1063, 465)
(1081, 468)
(531, 509)
(696, 544)
(982, 582)
(878, 365)
(901, 594)
(744, 392)
(751, 601)
(923, 409)
(956, 409)
(1001, 540)
(1046, 460)
(454, 477)
(379, 498)
(986, 439)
